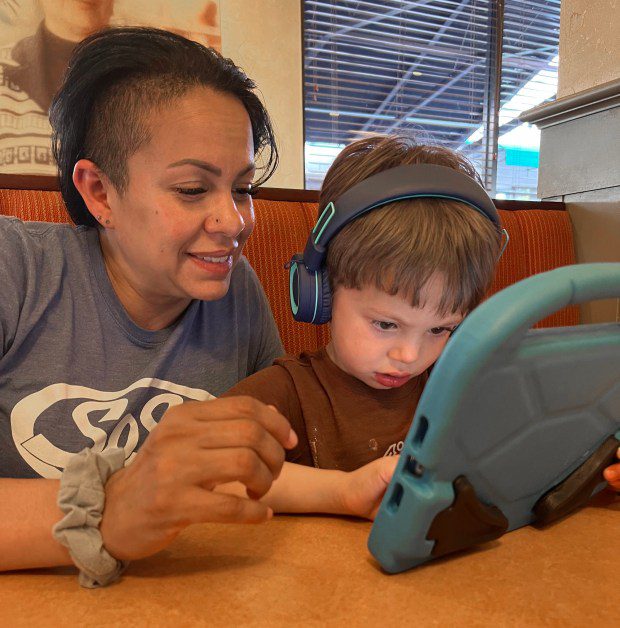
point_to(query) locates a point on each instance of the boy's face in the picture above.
(382, 340)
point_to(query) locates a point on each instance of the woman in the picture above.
(126, 326)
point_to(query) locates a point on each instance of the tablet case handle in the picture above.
(523, 304)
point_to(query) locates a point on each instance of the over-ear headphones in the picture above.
(308, 282)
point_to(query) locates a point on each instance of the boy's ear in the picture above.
(95, 189)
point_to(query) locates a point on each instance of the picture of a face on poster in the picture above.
(37, 38)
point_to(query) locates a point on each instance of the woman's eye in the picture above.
(247, 191)
(384, 325)
(191, 191)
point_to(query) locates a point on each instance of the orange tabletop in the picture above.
(316, 571)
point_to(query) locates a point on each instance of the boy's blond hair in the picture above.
(397, 248)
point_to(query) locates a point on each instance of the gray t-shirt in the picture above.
(75, 371)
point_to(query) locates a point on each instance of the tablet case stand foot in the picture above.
(466, 522)
(576, 490)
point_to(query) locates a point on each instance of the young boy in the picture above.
(402, 277)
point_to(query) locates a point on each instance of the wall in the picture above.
(589, 44)
(579, 156)
(264, 38)
(596, 229)
(579, 159)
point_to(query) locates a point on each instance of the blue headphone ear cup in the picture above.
(301, 290)
(310, 296)
(324, 308)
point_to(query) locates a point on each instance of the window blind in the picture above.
(426, 67)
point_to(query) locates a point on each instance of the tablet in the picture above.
(514, 427)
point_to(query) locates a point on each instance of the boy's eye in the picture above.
(440, 331)
(384, 325)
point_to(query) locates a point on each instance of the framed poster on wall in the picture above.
(36, 41)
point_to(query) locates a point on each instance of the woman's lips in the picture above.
(217, 265)
(391, 381)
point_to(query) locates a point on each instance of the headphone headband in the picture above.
(308, 281)
(400, 183)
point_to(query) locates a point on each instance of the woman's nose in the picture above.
(225, 217)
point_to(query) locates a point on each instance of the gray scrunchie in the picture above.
(82, 498)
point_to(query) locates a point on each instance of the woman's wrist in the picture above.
(28, 511)
(112, 527)
(82, 498)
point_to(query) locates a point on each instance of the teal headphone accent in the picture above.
(308, 282)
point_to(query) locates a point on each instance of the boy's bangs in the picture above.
(399, 248)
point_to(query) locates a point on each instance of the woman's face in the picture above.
(179, 228)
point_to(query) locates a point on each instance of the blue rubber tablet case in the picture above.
(514, 427)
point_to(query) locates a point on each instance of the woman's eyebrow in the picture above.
(205, 165)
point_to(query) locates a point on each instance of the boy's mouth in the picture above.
(391, 381)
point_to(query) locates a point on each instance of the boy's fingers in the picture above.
(389, 468)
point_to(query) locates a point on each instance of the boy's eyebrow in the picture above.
(205, 165)
(378, 314)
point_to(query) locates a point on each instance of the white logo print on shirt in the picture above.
(48, 460)
(394, 449)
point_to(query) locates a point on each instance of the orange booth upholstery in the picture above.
(540, 240)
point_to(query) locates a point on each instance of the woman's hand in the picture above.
(362, 490)
(195, 447)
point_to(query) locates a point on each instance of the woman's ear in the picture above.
(95, 188)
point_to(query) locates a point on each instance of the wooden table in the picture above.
(316, 571)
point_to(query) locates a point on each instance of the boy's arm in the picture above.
(303, 489)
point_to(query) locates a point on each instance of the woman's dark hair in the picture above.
(114, 78)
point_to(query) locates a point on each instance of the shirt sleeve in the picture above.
(13, 281)
(266, 342)
(274, 386)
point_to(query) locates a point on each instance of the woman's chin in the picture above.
(213, 292)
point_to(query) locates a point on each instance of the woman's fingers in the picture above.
(207, 506)
(246, 408)
(245, 434)
(234, 464)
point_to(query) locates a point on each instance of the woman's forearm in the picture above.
(28, 511)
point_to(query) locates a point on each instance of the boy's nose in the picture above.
(405, 354)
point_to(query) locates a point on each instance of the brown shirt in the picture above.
(341, 422)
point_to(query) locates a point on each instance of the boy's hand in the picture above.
(612, 474)
(362, 490)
